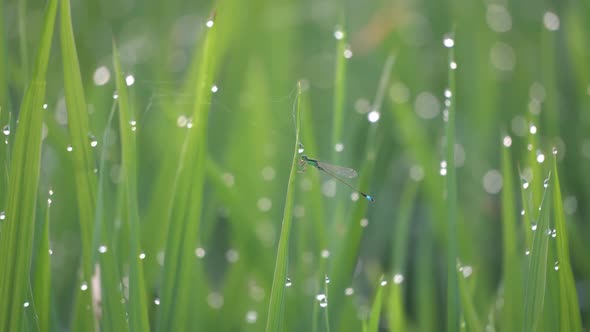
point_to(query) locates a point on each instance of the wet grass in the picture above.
(150, 153)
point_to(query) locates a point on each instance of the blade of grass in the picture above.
(277, 294)
(472, 322)
(512, 256)
(453, 304)
(189, 185)
(42, 273)
(537, 270)
(113, 310)
(568, 300)
(138, 318)
(83, 161)
(375, 314)
(339, 91)
(16, 237)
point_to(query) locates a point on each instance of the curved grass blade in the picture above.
(536, 280)
(277, 295)
(42, 275)
(375, 315)
(569, 309)
(138, 317)
(83, 161)
(16, 237)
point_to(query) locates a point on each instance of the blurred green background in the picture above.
(374, 76)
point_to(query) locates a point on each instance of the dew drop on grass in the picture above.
(6, 130)
(354, 196)
(448, 41)
(322, 299)
(522, 212)
(215, 300)
(525, 185)
(554, 151)
(374, 116)
(93, 141)
(338, 33)
(532, 129)
(383, 283)
(50, 252)
(349, 291)
(554, 233)
(507, 141)
(142, 255)
(232, 255)
(556, 266)
(453, 65)
(325, 253)
(326, 279)
(102, 249)
(69, 148)
(288, 283)
(133, 124)
(545, 183)
(347, 53)
(115, 95)
(45, 106)
(214, 88)
(200, 252)
(398, 278)
(129, 80)
(26, 304)
(528, 252)
(2, 215)
(209, 23)
(540, 158)
(534, 227)
(364, 222)
(157, 301)
(339, 147)
(84, 286)
(251, 317)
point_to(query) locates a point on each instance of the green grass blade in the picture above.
(277, 295)
(114, 316)
(512, 255)
(138, 318)
(536, 281)
(472, 321)
(189, 184)
(339, 91)
(42, 274)
(16, 237)
(568, 299)
(83, 161)
(453, 305)
(375, 315)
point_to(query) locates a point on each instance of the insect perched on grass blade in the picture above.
(334, 171)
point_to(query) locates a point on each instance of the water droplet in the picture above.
(448, 93)
(364, 222)
(189, 123)
(349, 291)
(6, 130)
(417, 172)
(45, 106)
(129, 80)
(534, 227)
(200, 252)
(545, 183)
(556, 266)
(215, 300)
(507, 141)
(325, 253)
(209, 23)
(264, 204)
(540, 158)
(339, 147)
(354, 196)
(525, 185)
(466, 270)
(532, 129)
(101, 76)
(383, 283)
(322, 299)
(157, 301)
(551, 21)
(2, 215)
(493, 181)
(50, 192)
(448, 41)
(214, 88)
(93, 141)
(232, 255)
(26, 304)
(338, 33)
(327, 279)
(133, 124)
(528, 252)
(373, 116)
(49, 201)
(288, 283)
(443, 171)
(115, 95)
(398, 278)
(453, 65)
(84, 286)
(102, 249)
(69, 148)
(347, 52)
(50, 252)
(554, 233)
(251, 317)
(554, 150)
(522, 212)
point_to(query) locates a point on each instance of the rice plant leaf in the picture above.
(16, 235)
(42, 273)
(276, 303)
(375, 314)
(536, 280)
(138, 317)
(569, 319)
(83, 161)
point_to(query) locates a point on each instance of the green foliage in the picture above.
(149, 156)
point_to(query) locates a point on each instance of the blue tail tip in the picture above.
(369, 198)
